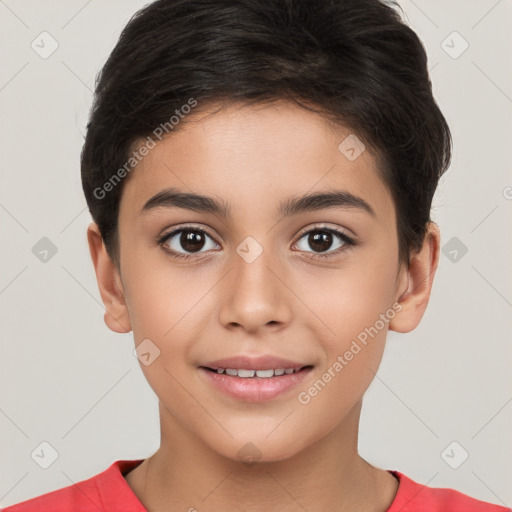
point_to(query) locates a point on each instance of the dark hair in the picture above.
(353, 61)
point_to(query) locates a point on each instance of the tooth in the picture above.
(265, 373)
(246, 373)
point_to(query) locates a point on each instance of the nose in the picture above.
(254, 295)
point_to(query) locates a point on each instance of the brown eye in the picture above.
(185, 242)
(192, 241)
(321, 240)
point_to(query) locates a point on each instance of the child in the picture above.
(297, 144)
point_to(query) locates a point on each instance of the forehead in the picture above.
(252, 157)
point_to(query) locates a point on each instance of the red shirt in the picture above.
(109, 492)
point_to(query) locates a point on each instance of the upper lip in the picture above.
(266, 362)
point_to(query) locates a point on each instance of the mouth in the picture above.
(252, 374)
(253, 384)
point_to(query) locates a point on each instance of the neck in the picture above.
(328, 475)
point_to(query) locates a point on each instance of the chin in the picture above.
(257, 449)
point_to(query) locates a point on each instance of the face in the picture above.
(241, 275)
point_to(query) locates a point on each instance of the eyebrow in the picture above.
(174, 198)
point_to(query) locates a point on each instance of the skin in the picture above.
(288, 302)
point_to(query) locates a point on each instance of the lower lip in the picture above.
(255, 389)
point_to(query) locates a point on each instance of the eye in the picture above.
(194, 240)
(191, 239)
(321, 239)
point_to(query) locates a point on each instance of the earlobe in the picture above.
(109, 283)
(416, 283)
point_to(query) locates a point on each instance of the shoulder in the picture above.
(412, 496)
(91, 495)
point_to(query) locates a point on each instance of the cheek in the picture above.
(161, 300)
(358, 316)
(172, 308)
(165, 307)
(351, 299)
(356, 306)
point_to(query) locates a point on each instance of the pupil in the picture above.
(192, 240)
(320, 241)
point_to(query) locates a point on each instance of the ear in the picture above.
(415, 282)
(109, 283)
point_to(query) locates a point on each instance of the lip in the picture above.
(255, 389)
(266, 362)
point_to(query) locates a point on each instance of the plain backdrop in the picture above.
(442, 391)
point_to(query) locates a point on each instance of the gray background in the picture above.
(67, 380)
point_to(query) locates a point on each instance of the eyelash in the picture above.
(348, 241)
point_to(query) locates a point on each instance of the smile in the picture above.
(264, 374)
(252, 385)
